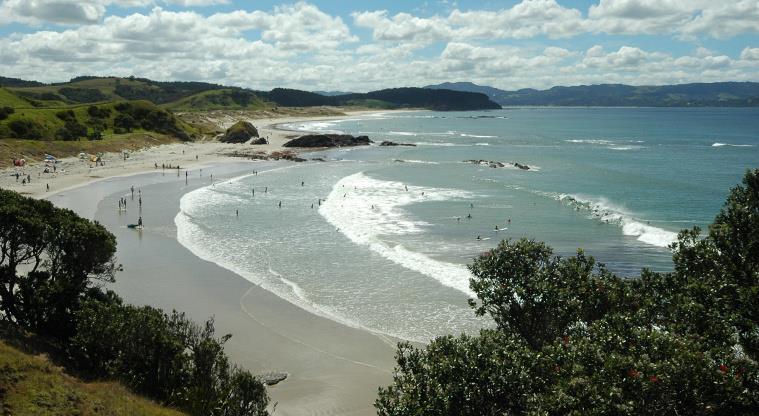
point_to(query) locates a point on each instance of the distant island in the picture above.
(717, 94)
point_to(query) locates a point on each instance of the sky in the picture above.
(359, 46)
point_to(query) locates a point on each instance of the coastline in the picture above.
(332, 368)
(71, 172)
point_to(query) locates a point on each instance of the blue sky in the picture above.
(360, 46)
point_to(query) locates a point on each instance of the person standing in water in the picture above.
(139, 222)
(280, 204)
(132, 191)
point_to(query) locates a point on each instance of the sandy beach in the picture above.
(332, 369)
(72, 171)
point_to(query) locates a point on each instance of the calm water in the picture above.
(386, 243)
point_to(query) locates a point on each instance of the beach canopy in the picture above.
(50, 157)
(19, 162)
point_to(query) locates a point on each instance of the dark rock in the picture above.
(494, 164)
(328, 140)
(260, 141)
(389, 143)
(318, 159)
(521, 166)
(240, 132)
(273, 378)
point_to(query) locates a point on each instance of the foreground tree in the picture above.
(49, 258)
(52, 266)
(572, 338)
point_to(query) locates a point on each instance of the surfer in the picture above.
(266, 189)
(406, 187)
(479, 238)
(280, 204)
(132, 191)
(253, 190)
(237, 212)
(469, 216)
(302, 183)
(139, 222)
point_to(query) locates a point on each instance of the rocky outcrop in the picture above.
(328, 140)
(389, 143)
(260, 141)
(273, 378)
(240, 132)
(494, 164)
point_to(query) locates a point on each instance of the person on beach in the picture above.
(47, 185)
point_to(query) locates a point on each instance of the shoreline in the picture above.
(332, 368)
(72, 172)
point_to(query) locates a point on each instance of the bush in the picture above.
(572, 338)
(25, 129)
(5, 112)
(97, 112)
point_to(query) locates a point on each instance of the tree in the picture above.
(49, 258)
(572, 338)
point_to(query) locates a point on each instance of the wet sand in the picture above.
(333, 369)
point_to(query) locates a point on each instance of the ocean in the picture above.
(379, 237)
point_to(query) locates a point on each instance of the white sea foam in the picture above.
(365, 209)
(478, 136)
(443, 144)
(422, 162)
(196, 238)
(731, 145)
(590, 141)
(608, 212)
(403, 133)
(482, 144)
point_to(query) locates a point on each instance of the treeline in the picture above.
(52, 267)
(572, 338)
(439, 100)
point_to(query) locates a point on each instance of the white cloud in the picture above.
(750, 54)
(725, 19)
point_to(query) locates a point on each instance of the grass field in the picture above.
(31, 384)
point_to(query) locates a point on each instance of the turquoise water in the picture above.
(386, 243)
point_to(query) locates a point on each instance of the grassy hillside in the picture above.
(10, 99)
(224, 99)
(32, 385)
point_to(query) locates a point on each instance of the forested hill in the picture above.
(718, 94)
(200, 96)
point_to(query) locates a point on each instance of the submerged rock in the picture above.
(389, 143)
(240, 132)
(328, 140)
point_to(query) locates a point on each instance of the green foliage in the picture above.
(166, 357)
(82, 95)
(572, 338)
(23, 128)
(52, 263)
(72, 129)
(5, 112)
(64, 254)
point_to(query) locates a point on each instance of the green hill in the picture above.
(32, 385)
(223, 99)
